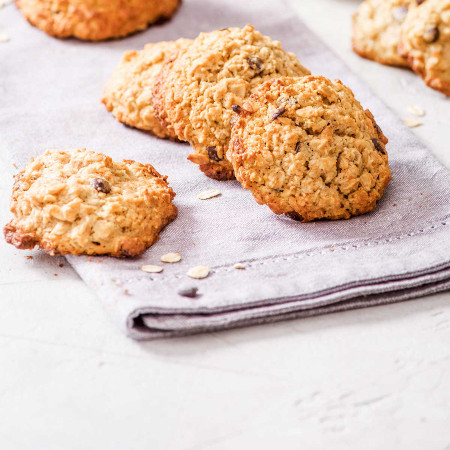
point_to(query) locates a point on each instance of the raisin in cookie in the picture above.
(377, 29)
(195, 92)
(82, 202)
(425, 43)
(306, 148)
(95, 20)
(128, 93)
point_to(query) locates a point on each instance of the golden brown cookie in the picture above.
(82, 202)
(377, 29)
(194, 93)
(95, 20)
(306, 148)
(425, 43)
(128, 93)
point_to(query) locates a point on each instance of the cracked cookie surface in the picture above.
(128, 93)
(95, 20)
(377, 29)
(426, 43)
(82, 202)
(306, 148)
(194, 94)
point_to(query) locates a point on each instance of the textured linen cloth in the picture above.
(51, 90)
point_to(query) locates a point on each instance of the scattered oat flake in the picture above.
(152, 269)
(171, 258)
(416, 110)
(4, 37)
(412, 123)
(198, 272)
(239, 266)
(209, 194)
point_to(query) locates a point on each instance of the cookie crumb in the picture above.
(152, 269)
(4, 37)
(28, 257)
(4, 3)
(198, 272)
(205, 195)
(190, 292)
(416, 110)
(61, 265)
(412, 123)
(55, 274)
(171, 258)
(239, 266)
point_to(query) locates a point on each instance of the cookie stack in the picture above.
(409, 33)
(303, 145)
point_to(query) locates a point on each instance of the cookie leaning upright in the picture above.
(425, 43)
(194, 94)
(95, 20)
(377, 29)
(82, 202)
(128, 93)
(306, 148)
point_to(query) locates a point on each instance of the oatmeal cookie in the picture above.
(128, 93)
(194, 94)
(425, 43)
(306, 148)
(377, 29)
(95, 20)
(82, 202)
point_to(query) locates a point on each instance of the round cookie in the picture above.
(195, 92)
(426, 43)
(95, 20)
(377, 29)
(306, 148)
(128, 93)
(82, 202)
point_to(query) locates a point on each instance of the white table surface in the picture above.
(373, 378)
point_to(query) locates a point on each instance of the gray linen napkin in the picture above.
(51, 92)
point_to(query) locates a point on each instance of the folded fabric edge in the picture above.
(142, 326)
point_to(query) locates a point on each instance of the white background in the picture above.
(373, 378)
